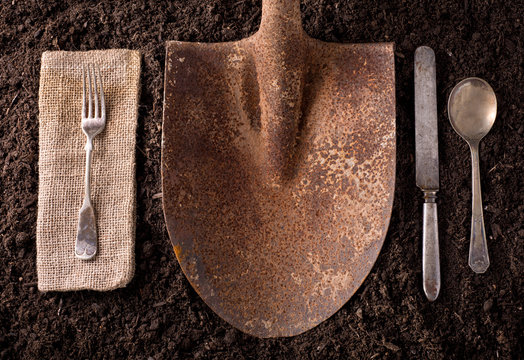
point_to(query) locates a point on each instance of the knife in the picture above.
(426, 147)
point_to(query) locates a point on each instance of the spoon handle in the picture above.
(478, 247)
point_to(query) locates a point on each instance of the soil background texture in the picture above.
(158, 315)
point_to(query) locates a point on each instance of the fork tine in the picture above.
(83, 91)
(96, 91)
(90, 107)
(102, 100)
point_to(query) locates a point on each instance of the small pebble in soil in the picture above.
(495, 228)
(359, 313)
(155, 324)
(148, 250)
(230, 337)
(22, 239)
(488, 304)
(95, 307)
(9, 242)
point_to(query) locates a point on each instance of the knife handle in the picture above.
(430, 249)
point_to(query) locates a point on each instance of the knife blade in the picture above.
(427, 174)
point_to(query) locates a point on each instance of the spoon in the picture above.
(472, 108)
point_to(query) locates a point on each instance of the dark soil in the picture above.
(159, 315)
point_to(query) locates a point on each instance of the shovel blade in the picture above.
(275, 250)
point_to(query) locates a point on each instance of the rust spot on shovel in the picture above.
(278, 170)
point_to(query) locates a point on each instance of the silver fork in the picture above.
(92, 125)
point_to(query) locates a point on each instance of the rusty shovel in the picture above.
(278, 170)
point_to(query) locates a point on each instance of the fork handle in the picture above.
(86, 237)
(87, 181)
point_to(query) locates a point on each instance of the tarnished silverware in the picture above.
(92, 125)
(472, 109)
(426, 144)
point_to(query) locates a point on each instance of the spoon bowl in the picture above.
(472, 108)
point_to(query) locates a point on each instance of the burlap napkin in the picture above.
(62, 167)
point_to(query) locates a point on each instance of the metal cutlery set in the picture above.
(93, 122)
(472, 108)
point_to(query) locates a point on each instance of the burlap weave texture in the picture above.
(62, 168)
